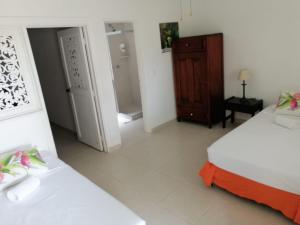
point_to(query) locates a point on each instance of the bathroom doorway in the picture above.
(63, 66)
(126, 82)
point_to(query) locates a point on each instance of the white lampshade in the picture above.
(244, 75)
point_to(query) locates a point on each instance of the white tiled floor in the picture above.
(156, 176)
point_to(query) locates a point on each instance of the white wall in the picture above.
(31, 128)
(262, 36)
(133, 67)
(126, 76)
(154, 67)
(121, 70)
(52, 77)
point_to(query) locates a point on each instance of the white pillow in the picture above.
(289, 122)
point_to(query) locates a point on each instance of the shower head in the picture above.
(112, 27)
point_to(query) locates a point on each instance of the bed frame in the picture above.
(287, 203)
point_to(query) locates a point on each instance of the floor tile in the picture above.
(156, 176)
(189, 202)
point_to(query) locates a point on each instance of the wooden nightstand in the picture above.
(235, 104)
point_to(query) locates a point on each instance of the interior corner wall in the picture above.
(30, 128)
(48, 61)
(259, 35)
(126, 76)
(155, 68)
(133, 67)
(262, 36)
(121, 70)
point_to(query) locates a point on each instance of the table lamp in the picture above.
(244, 75)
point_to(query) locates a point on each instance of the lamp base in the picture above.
(243, 99)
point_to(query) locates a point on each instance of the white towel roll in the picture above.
(23, 189)
(288, 121)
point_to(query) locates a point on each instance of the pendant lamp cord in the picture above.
(181, 10)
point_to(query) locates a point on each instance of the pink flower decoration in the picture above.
(1, 177)
(25, 160)
(18, 154)
(297, 96)
(294, 104)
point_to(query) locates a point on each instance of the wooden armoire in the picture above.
(199, 78)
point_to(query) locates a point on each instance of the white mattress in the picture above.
(66, 198)
(261, 151)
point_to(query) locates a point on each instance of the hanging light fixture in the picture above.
(181, 9)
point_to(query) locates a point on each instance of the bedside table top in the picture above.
(250, 105)
(239, 101)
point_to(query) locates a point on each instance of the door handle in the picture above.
(68, 90)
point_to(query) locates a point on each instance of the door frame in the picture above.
(139, 65)
(64, 23)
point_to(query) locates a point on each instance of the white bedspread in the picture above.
(66, 198)
(261, 151)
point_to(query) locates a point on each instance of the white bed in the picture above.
(66, 198)
(261, 151)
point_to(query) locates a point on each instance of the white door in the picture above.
(75, 61)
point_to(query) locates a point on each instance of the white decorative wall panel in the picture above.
(18, 94)
(13, 91)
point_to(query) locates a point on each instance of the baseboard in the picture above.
(114, 148)
(59, 126)
(162, 125)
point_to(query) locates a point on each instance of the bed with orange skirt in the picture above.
(259, 161)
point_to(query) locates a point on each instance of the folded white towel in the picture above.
(23, 189)
(288, 121)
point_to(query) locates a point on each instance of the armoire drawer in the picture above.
(193, 114)
(189, 45)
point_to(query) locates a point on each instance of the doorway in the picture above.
(64, 71)
(126, 81)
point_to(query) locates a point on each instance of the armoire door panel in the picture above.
(200, 67)
(184, 79)
(200, 95)
(191, 79)
(200, 84)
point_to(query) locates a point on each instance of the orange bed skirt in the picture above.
(285, 202)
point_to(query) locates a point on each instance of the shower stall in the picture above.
(125, 71)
